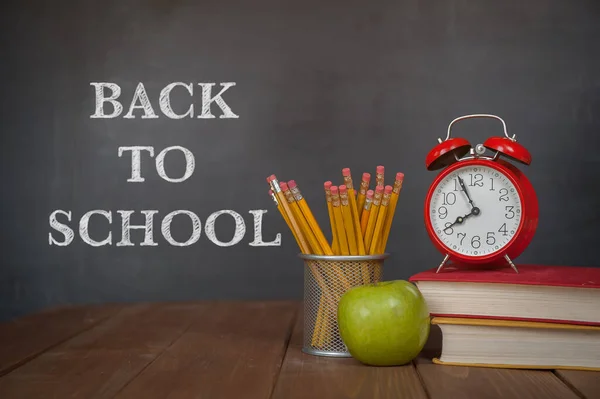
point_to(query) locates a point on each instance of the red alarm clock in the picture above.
(480, 209)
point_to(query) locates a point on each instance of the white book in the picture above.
(518, 344)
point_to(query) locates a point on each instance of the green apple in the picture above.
(385, 323)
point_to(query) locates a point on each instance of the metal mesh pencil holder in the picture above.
(326, 279)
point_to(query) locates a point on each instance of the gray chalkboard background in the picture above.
(320, 85)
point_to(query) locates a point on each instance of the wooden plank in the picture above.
(307, 376)
(449, 382)
(26, 337)
(74, 374)
(587, 383)
(101, 361)
(234, 351)
(145, 327)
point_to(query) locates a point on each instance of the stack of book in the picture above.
(544, 317)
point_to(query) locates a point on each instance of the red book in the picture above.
(559, 294)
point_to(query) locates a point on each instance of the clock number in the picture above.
(449, 198)
(503, 195)
(492, 184)
(443, 212)
(476, 180)
(456, 185)
(491, 240)
(503, 229)
(448, 231)
(463, 237)
(511, 213)
(475, 243)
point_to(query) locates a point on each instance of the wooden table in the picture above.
(228, 350)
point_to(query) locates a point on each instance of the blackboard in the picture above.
(318, 86)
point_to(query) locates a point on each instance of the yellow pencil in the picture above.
(335, 245)
(341, 235)
(373, 216)
(352, 226)
(314, 226)
(304, 227)
(320, 328)
(274, 183)
(385, 200)
(339, 221)
(362, 193)
(379, 176)
(366, 212)
(347, 217)
(304, 248)
(391, 210)
(299, 200)
(285, 217)
(357, 236)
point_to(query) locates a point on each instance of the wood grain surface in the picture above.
(228, 350)
(99, 362)
(234, 350)
(585, 383)
(450, 382)
(307, 376)
(26, 337)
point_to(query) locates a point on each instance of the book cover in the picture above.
(562, 276)
(548, 284)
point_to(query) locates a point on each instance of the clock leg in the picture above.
(510, 262)
(443, 263)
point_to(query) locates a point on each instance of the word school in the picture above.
(64, 235)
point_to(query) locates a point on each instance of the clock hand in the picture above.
(459, 220)
(464, 188)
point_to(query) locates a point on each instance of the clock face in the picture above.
(486, 225)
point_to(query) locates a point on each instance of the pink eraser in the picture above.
(271, 178)
(380, 169)
(327, 185)
(270, 192)
(366, 176)
(343, 189)
(399, 176)
(388, 189)
(283, 185)
(334, 190)
(370, 194)
(378, 189)
(291, 183)
(346, 172)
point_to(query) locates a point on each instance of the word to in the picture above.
(136, 162)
